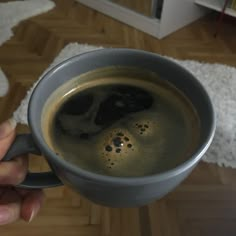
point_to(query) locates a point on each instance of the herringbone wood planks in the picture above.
(144, 7)
(204, 205)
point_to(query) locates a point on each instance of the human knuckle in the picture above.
(18, 173)
(20, 176)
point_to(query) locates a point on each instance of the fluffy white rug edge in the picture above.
(12, 13)
(4, 84)
(5, 35)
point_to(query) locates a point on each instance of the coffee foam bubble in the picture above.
(144, 127)
(117, 147)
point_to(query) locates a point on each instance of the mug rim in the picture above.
(49, 154)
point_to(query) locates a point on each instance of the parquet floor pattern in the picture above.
(143, 7)
(203, 205)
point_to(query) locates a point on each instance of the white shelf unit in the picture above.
(216, 5)
(175, 15)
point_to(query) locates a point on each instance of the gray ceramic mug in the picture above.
(101, 189)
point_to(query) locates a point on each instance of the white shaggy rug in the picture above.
(11, 13)
(220, 82)
(3, 84)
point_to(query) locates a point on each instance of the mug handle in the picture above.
(24, 144)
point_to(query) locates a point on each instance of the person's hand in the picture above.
(15, 203)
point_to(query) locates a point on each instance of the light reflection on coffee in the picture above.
(121, 122)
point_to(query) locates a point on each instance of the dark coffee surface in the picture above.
(124, 127)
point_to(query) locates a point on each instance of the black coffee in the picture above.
(124, 125)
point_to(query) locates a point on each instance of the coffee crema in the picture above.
(121, 121)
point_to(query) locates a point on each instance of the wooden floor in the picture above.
(143, 7)
(204, 205)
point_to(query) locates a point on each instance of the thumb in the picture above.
(7, 135)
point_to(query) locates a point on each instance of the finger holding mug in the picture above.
(15, 203)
